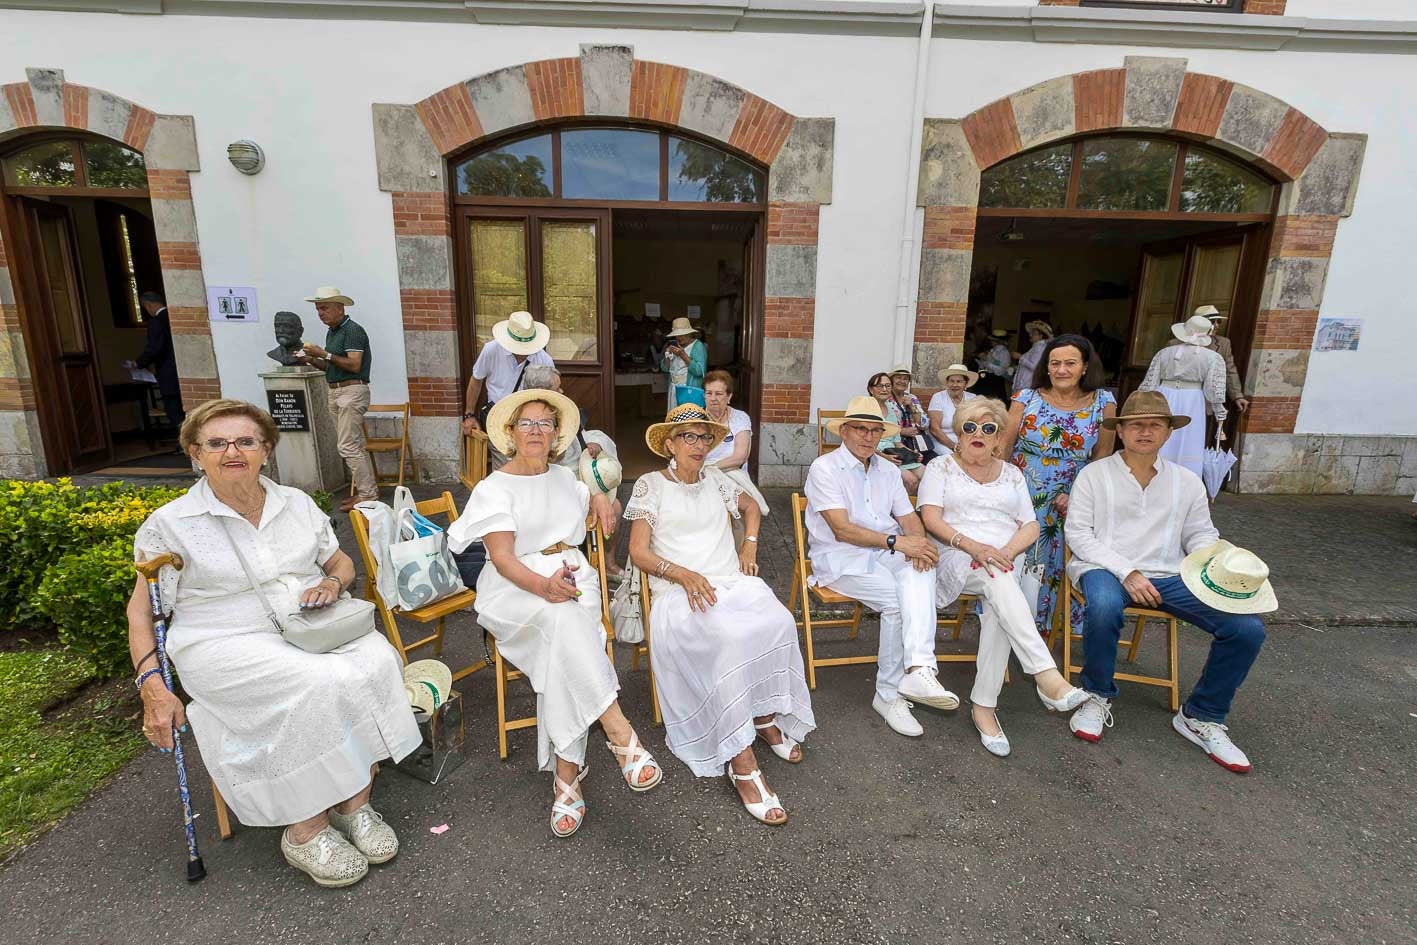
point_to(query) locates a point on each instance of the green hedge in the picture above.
(85, 594)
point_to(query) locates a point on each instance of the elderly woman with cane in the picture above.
(290, 737)
(725, 657)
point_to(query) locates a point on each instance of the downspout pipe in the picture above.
(903, 346)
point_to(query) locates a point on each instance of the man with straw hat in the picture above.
(345, 358)
(517, 342)
(1191, 376)
(1234, 392)
(868, 543)
(1140, 532)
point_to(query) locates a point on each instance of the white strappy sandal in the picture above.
(635, 760)
(782, 749)
(759, 809)
(575, 809)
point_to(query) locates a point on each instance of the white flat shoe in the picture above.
(996, 745)
(782, 749)
(1074, 698)
(759, 809)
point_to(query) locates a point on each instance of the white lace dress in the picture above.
(1190, 377)
(716, 671)
(285, 734)
(560, 647)
(989, 512)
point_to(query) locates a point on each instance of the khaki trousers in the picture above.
(350, 405)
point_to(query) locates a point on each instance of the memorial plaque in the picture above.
(289, 410)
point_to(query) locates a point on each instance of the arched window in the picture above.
(610, 165)
(1127, 175)
(75, 164)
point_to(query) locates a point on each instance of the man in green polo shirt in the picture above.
(345, 359)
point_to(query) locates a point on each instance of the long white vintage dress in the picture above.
(285, 734)
(1189, 377)
(560, 647)
(716, 671)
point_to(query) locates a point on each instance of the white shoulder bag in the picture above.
(625, 611)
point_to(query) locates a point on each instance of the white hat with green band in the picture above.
(1230, 579)
(521, 334)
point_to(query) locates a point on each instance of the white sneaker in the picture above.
(1088, 722)
(898, 716)
(365, 828)
(922, 686)
(329, 858)
(1213, 739)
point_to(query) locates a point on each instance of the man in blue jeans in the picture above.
(1140, 533)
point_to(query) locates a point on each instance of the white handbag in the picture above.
(625, 612)
(426, 570)
(1030, 576)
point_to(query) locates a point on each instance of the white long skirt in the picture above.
(1186, 446)
(717, 671)
(287, 734)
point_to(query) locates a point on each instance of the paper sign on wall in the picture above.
(1338, 334)
(230, 303)
(651, 310)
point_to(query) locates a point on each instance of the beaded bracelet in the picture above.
(143, 677)
(956, 539)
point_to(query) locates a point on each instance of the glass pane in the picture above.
(704, 174)
(1036, 179)
(61, 279)
(112, 165)
(1126, 174)
(519, 169)
(498, 272)
(45, 165)
(1211, 184)
(610, 164)
(568, 276)
(1160, 295)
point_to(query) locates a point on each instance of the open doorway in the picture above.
(77, 213)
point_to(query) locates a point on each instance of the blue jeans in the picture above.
(1238, 638)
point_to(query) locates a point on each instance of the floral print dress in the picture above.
(1053, 446)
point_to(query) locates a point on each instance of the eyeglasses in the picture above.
(246, 444)
(857, 428)
(881, 384)
(691, 439)
(988, 428)
(545, 425)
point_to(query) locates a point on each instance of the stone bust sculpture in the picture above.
(288, 329)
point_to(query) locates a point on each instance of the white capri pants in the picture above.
(1006, 623)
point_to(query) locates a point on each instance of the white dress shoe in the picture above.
(328, 858)
(898, 716)
(1074, 698)
(365, 828)
(1214, 740)
(922, 686)
(996, 745)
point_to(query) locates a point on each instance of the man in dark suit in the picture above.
(159, 357)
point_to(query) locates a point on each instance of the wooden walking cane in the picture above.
(149, 570)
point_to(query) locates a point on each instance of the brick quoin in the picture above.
(427, 309)
(657, 91)
(785, 403)
(450, 118)
(16, 393)
(1295, 143)
(76, 106)
(555, 86)
(939, 322)
(435, 396)
(1098, 98)
(793, 223)
(1201, 104)
(1271, 415)
(992, 133)
(169, 185)
(949, 227)
(789, 317)
(1296, 236)
(21, 101)
(179, 256)
(418, 214)
(1285, 329)
(189, 320)
(140, 126)
(199, 390)
(761, 129)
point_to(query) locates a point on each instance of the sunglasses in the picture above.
(988, 427)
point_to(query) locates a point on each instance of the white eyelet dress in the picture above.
(560, 647)
(285, 734)
(716, 671)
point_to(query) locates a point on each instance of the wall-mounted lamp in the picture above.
(246, 156)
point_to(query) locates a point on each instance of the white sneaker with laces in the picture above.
(329, 859)
(898, 716)
(920, 685)
(366, 829)
(1095, 715)
(1214, 739)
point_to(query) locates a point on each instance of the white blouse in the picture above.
(541, 510)
(738, 423)
(689, 524)
(941, 402)
(988, 512)
(1190, 366)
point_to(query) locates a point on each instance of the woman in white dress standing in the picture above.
(957, 380)
(540, 598)
(978, 508)
(1189, 376)
(731, 453)
(290, 738)
(726, 664)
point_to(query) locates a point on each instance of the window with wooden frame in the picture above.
(78, 166)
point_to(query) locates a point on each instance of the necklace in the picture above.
(682, 482)
(718, 417)
(255, 507)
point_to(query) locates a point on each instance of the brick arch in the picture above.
(46, 101)
(1317, 169)
(414, 142)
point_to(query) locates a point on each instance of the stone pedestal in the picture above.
(306, 458)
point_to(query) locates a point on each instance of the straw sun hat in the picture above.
(505, 409)
(680, 416)
(427, 684)
(520, 334)
(1194, 330)
(972, 377)
(866, 410)
(681, 326)
(1230, 579)
(328, 293)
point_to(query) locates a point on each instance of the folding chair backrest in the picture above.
(823, 444)
(595, 554)
(799, 530)
(474, 459)
(401, 409)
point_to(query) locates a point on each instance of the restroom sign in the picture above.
(230, 303)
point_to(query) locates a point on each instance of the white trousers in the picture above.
(905, 599)
(1006, 623)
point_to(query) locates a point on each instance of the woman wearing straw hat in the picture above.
(1039, 334)
(685, 358)
(541, 599)
(957, 380)
(726, 663)
(1190, 376)
(1140, 531)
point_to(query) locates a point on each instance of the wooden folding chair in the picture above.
(802, 590)
(434, 613)
(823, 445)
(504, 673)
(473, 466)
(1171, 682)
(642, 649)
(391, 444)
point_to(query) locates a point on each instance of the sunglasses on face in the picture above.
(691, 439)
(246, 444)
(988, 427)
(545, 425)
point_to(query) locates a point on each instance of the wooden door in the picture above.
(750, 347)
(1155, 308)
(80, 416)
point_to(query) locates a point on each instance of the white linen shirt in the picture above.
(1114, 523)
(499, 369)
(738, 423)
(946, 408)
(872, 499)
